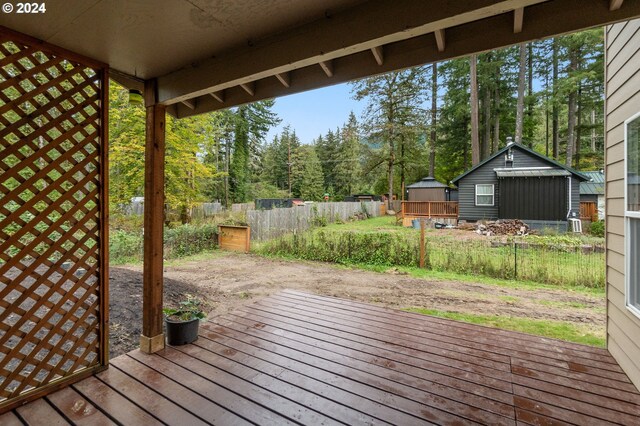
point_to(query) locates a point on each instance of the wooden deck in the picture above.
(297, 358)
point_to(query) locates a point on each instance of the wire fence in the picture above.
(549, 263)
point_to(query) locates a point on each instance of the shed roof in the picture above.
(551, 162)
(595, 186)
(427, 182)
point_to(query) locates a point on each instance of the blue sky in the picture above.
(313, 113)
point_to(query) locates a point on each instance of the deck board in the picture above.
(298, 358)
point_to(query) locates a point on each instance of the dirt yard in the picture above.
(226, 281)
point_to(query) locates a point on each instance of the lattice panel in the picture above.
(51, 178)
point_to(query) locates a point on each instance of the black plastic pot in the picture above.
(181, 332)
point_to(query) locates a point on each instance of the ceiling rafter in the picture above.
(218, 96)
(440, 40)
(615, 4)
(518, 19)
(285, 79)
(250, 88)
(378, 54)
(190, 103)
(327, 67)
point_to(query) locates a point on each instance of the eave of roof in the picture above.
(525, 149)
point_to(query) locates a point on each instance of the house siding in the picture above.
(485, 174)
(622, 75)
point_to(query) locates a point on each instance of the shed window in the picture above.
(632, 212)
(484, 195)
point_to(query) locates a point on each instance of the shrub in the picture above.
(597, 228)
(186, 240)
(125, 246)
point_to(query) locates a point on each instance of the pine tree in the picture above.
(312, 184)
(348, 169)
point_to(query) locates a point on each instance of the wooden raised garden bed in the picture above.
(234, 238)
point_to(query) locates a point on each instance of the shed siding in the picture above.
(486, 175)
(622, 100)
(427, 194)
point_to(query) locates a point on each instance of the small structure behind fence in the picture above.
(266, 224)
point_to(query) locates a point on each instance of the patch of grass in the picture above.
(199, 257)
(416, 272)
(509, 299)
(570, 305)
(557, 260)
(546, 328)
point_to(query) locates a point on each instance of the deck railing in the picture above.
(444, 209)
(588, 211)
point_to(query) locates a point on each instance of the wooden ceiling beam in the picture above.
(284, 78)
(327, 67)
(440, 40)
(518, 19)
(218, 96)
(615, 4)
(543, 20)
(250, 88)
(378, 54)
(344, 33)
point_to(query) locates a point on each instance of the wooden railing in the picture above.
(448, 209)
(588, 211)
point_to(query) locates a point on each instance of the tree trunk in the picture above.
(486, 139)
(530, 104)
(434, 111)
(578, 127)
(475, 139)
(521, 84)
(554, 110)
(226, 169)
(402, 163)
(390, 171)
(496, 122)
(573, 99)
(593, 130)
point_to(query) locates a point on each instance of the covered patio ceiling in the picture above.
(213, 54)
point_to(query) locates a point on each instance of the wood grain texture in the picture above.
(299, 358)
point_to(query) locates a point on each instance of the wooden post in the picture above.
(422, 226)
(152, 339)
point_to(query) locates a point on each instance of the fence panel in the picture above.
(267, 224)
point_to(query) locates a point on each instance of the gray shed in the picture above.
(428, 189)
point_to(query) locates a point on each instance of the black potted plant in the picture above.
(182, 323)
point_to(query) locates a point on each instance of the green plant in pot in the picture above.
(182, 322)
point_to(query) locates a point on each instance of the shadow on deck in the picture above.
(300, 358)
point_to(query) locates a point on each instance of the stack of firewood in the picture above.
(503, 227)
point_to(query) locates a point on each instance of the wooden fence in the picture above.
(199, 211)
(589, 211)
(266, 224)
(444, 209)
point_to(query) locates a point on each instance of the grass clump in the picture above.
(554, 329)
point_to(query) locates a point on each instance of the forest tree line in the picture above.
(437, 120)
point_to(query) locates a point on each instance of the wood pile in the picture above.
(503, 227)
